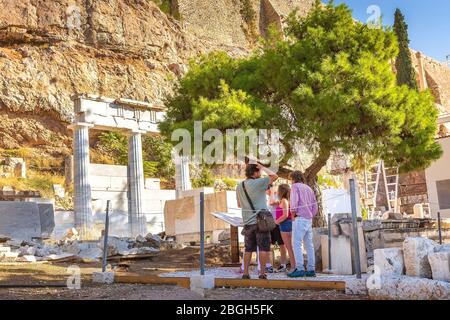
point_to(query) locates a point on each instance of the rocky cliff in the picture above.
(51, 50)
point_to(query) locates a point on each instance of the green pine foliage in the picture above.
(403, 64)
(156, 153)
(328, 84)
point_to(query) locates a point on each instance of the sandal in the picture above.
(245, 276)
(262, 277)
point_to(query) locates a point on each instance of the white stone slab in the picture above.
(415, 252)
(389, 261)
(20, 220)
(341, 255)
(103, 277)
(440, 265)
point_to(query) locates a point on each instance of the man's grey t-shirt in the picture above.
(256, 189)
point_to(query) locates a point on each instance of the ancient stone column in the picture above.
(82, 186)
(182, 176)
(136, 217)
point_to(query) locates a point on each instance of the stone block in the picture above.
(27, 250)
(11, 255)
(409, 288)
(4, 238)
(389, 261)
(47, 218)
(415, 252)
(20, 220)
(341, 255)
(324, 252)
(440, 265)
(4, 250)
(91, 254)
(103, 277)
(29, 258)
(355, 286)
(199, 283)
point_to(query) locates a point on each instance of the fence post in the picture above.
(105, 238)
(355, 229)
(439, 227)
(202, 233)
(329, 242)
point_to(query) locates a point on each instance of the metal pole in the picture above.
(439, 227)
(355, 229)
(329, 242)
(105, 236)
(202, 233)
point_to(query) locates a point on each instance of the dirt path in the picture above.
(166, 261)
(149, 292)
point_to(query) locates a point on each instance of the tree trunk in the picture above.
(311, 179)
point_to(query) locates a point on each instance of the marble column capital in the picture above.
(133, 132)
(75, 125)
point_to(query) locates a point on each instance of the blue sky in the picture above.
(428, 21)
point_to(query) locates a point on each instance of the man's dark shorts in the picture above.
(254, 239)
(275, 235)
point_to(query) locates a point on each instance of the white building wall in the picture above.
(438, 171)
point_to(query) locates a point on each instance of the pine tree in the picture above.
(318, 91)
(405, 71)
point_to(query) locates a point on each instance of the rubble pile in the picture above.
(71, 248)
(418, 270)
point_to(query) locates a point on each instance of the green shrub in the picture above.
(115, 145)
(231, 183)
(150, 169)
(204, 179)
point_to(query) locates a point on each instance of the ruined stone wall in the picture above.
(225, 21)
(284, 7)
(412, 190)
(437, 77)
(219, 22)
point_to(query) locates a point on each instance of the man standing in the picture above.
(254, 188)
(303, 204)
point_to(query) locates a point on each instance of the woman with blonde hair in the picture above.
(284, 220)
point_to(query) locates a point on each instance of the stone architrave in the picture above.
(415, 252)
(389, 261)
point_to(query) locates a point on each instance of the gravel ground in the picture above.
(167, 261)
(162, 292)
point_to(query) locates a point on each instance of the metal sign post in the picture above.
(439, 227)
(355, 229)
(105, 240)
(329, 242)
(202, 233)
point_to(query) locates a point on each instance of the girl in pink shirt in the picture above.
(284, 220)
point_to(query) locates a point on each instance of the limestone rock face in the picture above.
(389, 261)
(51, 50)
(410, 288)
(416, 251)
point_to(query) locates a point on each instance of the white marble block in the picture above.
(103, 277)
(416, 251)
(440, 265)
(389, 261)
